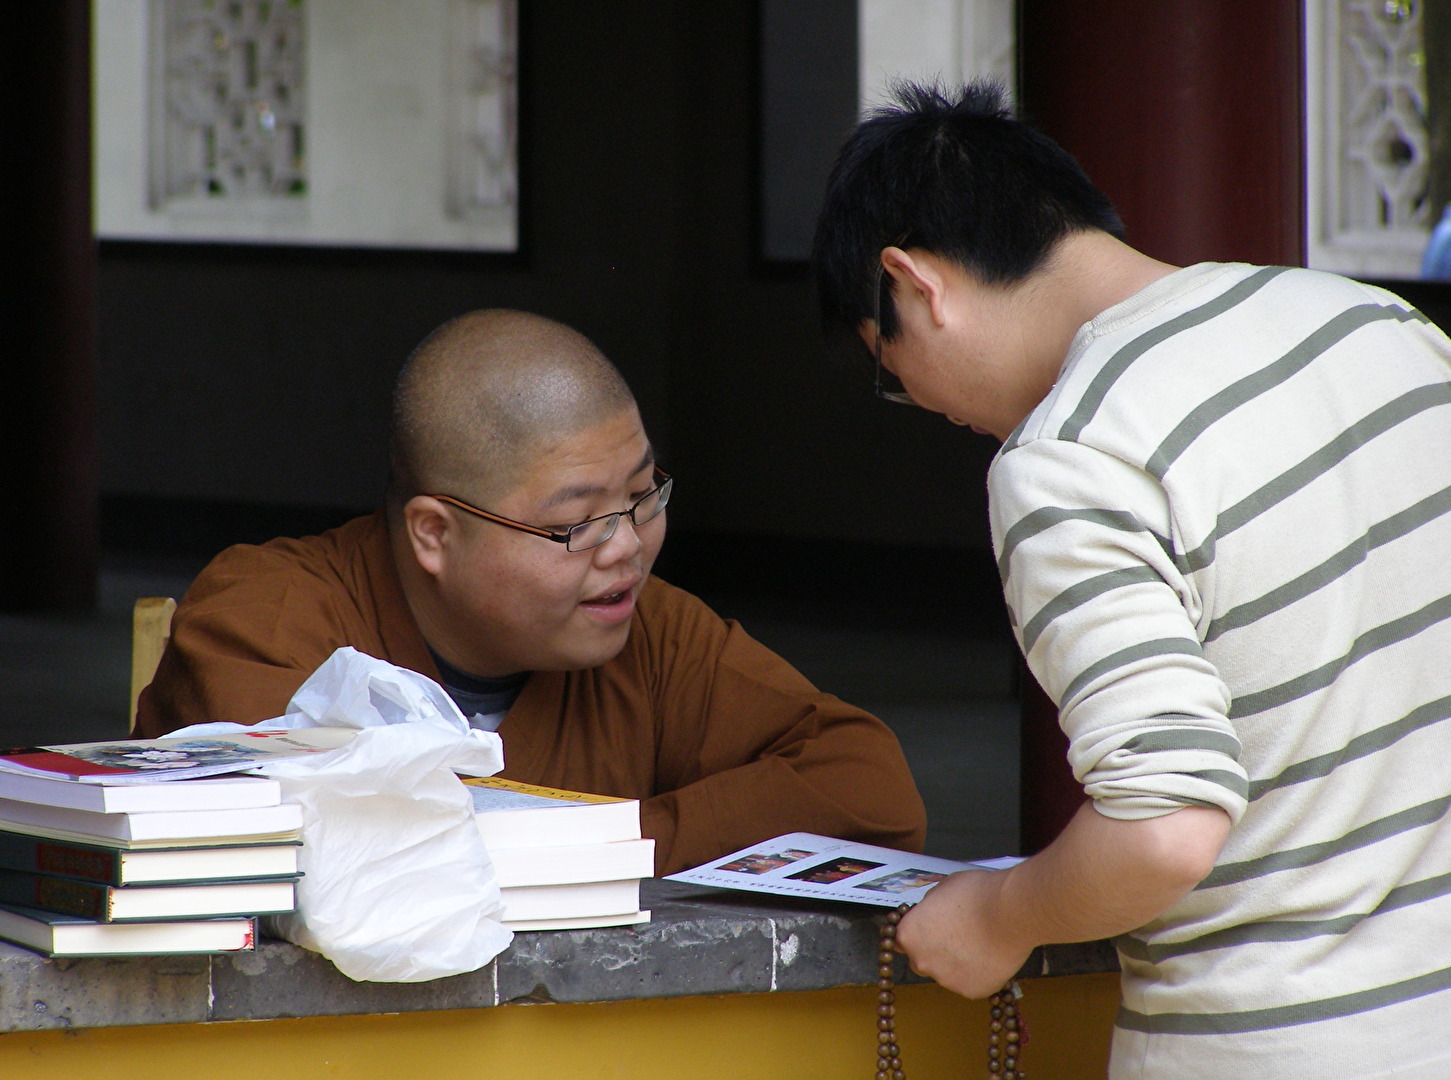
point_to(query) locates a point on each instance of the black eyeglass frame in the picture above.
(901, 397)
(664, 488)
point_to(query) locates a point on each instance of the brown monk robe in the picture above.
(634, 688)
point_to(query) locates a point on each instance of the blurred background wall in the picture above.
(244, 389)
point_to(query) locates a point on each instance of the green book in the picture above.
(116, 866)
(52, 934)
(121, 903)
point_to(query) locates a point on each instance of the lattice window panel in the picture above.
(1368, 140)
(228, 100)
(482, 166)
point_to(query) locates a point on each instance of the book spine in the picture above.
(37, 855)
(64, 895)
(67, 860)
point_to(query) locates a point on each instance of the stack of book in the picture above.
(101, 859)
(564, 859)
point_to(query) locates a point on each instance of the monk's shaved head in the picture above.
(486, 393)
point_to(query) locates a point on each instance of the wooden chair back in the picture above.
(150, 631)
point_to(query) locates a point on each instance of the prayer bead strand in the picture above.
(1007, 1033)
(889, 1054)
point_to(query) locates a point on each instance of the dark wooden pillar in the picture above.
(1189, 115)
(48, 542)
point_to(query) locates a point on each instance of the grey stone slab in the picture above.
(836, 944)
(283, 980)
(1082, 958)
(668, 958)
(700, 941)
(37, 993)
(818, 951)
(814, 946)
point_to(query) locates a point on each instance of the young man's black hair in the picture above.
(955, 174)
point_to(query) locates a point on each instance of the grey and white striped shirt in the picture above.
(1225, 540)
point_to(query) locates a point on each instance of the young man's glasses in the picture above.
(889, 387)
(591, 533)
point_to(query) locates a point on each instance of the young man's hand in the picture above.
(1100, 878)
(950, 936)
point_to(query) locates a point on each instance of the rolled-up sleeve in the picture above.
(1107, 618)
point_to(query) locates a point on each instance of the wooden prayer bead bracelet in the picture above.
(1007, 1034)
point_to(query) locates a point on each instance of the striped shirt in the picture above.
(1225, 542)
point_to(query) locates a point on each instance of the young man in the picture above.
(512, 563)
(1221, 516)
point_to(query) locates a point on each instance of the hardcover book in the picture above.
(116, 866)
(67, 935)
(111, 903)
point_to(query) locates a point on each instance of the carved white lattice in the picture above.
(1368, 141)
(227, 104)
(482, 165)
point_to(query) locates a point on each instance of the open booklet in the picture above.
(805, 864)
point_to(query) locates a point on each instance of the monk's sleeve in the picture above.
(749, 749)
(244, 638)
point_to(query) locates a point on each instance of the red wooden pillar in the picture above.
(1189, 115)
(48, 532)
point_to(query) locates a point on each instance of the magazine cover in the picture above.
(805, 864)
(145, 760)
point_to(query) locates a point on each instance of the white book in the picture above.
(529, 903)
(569, 864)
(583, 922)
(514, 815)
(229, 793)
(65, 935)
(281, 821)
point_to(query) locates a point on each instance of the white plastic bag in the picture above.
(397, 885)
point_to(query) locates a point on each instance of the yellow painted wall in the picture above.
(820, 1035)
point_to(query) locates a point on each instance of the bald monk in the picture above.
(511, 562)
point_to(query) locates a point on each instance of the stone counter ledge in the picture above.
(700, 941)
